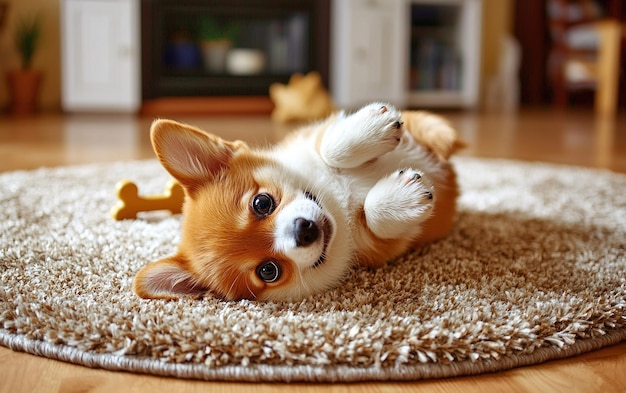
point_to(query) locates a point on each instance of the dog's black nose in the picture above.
(306, 231)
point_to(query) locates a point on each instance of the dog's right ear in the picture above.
(192, 156)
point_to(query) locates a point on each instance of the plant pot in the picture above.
(214, 54)
(24, 86)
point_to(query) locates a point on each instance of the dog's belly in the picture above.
(343, 191)
(408, 154)
(349, 187)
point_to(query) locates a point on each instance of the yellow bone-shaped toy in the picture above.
(130, 203)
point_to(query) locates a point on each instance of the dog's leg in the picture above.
(398, 204)
(363, 136)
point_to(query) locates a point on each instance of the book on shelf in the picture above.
(435, 65)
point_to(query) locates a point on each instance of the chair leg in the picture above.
(608, 68)
(559, 84)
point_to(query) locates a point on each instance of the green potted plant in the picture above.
(24, 83)
(216, 39)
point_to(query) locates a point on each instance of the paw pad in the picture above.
(410, 178)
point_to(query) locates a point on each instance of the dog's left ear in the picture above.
(192, 156)
(167, 279)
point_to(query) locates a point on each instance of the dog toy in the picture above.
(304, 98)
(130, 202)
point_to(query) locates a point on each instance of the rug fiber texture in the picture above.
(535, 269)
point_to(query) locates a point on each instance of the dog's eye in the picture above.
(268, 271)
(263, 205)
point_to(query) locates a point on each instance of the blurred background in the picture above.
(118, 54)
(522, 79)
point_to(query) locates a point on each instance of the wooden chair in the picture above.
(585, 53)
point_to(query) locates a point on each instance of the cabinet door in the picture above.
(445, 38)
(369, 59)
(100, 58)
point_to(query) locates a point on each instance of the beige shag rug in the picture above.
(535, 269)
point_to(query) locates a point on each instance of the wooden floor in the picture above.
(574, 138)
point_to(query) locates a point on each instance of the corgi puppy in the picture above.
(288, 221)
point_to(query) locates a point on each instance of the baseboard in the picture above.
(212, 106)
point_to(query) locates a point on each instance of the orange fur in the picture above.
(433, 132)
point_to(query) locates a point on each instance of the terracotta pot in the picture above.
(214, 54)
(24, 88)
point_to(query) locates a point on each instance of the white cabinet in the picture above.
(412, 53)
(444, 47)
(100, 55)
(368, 51)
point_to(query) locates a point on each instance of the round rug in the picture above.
(535, 269)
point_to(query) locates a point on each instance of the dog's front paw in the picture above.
(382, 122)
(397, 205)
(363, 136)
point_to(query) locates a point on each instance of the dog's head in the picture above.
(251, 228)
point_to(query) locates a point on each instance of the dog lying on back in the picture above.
(289, 221)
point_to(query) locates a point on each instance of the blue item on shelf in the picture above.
(182, 55)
